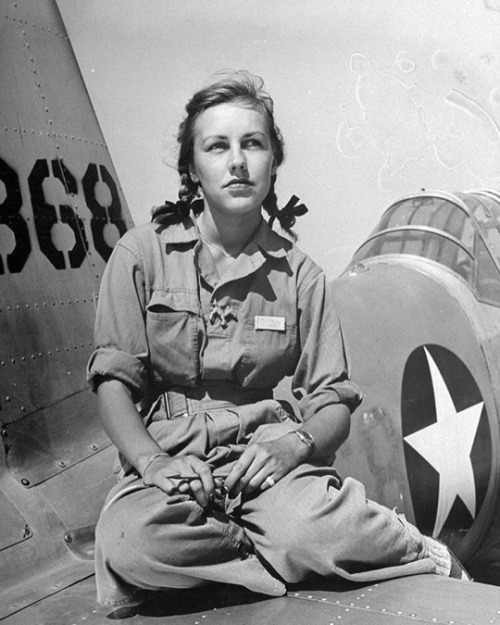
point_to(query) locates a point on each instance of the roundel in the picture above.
(447, 441)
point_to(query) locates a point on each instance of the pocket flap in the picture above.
(173, 301)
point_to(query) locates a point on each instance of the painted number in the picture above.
(10, 217)
(99, 213)
(46, 216)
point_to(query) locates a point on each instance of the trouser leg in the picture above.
(307, 524)
(146, 539)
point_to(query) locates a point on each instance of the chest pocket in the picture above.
(173, 325)
(270, 355)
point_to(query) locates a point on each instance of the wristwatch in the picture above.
(306, 437)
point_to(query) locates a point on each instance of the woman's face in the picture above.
(232, 158)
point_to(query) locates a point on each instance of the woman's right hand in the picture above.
(185, 474)
(125, 427)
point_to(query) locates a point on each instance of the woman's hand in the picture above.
(264, 463)
(185, 474)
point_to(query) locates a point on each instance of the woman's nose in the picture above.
(238, 163)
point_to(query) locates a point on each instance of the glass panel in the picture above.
(488, 217)
(488, 277)
(398, 215)
(428, 211)
(423, 244)
(493, 237)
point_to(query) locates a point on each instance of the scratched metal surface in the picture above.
(420, 599)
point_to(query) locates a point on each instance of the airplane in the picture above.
(61, 212)
(419, 305)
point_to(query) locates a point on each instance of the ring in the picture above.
(268, 482)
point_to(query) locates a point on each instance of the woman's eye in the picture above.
(253, 143)
(216, 147)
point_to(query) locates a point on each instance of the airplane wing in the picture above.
(418, 599)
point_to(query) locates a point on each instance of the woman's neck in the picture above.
(230, 236)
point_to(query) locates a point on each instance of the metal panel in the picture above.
(43, 584)
(61, 211)
(47, 442)
(61, 208)
(14, 526)
(403, 306)
(417, 599)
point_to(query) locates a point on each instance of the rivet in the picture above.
(61, 463)
(68, 538)
(25, 482)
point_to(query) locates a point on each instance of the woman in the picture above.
(201, 314)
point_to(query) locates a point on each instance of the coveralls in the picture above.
(202, 355)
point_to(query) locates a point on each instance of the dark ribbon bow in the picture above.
(172, 212)
(288, 214)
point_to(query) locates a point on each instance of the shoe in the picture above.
(447, 563)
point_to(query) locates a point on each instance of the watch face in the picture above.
(306, 437)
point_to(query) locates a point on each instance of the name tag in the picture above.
(270, 323)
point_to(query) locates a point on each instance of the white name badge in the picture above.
(270, 323)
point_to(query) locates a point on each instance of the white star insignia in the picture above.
(447, 445)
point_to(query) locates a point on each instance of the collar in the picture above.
(270, 243)
(178, 234)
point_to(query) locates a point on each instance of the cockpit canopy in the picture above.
(458, 230)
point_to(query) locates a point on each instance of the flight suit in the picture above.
(202, 356)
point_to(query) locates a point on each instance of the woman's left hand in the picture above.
(262, 464)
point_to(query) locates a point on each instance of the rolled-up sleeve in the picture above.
(321, 378)
(121, 346)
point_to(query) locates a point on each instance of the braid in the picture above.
(188, 189)
(170, 213)
(270, 203)
(287, 216)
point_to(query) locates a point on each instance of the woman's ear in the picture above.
(274, 167)
(192, 174)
